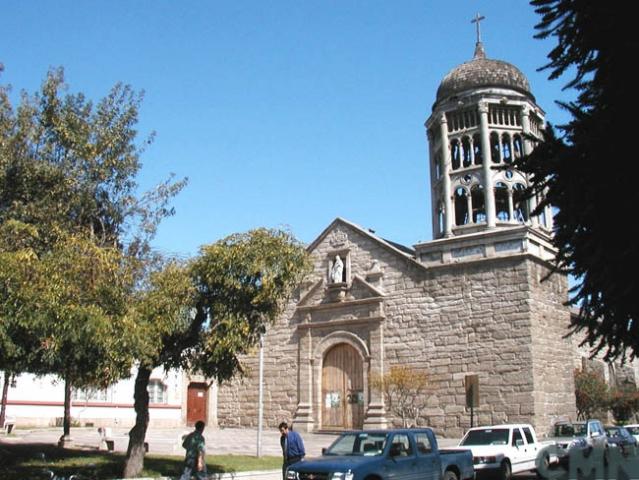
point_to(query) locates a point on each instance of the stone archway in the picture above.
(342, 388)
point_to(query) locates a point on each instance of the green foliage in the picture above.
(587, 172)
(243, 283)
(74, 233)
(591, 392)
(204, 316)
(163, 312)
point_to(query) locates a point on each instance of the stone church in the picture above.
(470, 303)
(471, 307)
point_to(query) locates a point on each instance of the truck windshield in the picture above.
(489, 436)
(358, 443)
(571, 429)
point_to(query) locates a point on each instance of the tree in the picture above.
(218, 306)
(623, 403)
(591, 393)
(587, 173)
(405, 391)
(67, 177)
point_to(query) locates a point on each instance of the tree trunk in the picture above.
(134, 462)
(66, 421)
(5, 394)
(66, 424)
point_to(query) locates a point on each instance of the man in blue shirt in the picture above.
(292, 447)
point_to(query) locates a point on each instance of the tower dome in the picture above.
(484, 119)
(482, 72)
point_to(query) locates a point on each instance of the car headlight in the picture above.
(483, 460)
(343, 475)
(292, 475)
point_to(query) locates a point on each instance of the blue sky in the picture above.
(283, 113)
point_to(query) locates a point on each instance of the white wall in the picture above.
(39, 401)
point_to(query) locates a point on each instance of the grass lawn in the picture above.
(32, 461)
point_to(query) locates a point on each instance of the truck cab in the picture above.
(502, 450)
(385, 454)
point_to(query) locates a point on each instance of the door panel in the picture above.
(342, 389)
(196, 402)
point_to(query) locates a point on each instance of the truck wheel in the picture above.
(505, 472)
(449, 475)
(545, 463)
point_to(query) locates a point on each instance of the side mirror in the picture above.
(595, 434)
(324, 451)
(519, 442)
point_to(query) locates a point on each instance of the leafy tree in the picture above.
(405, 391)
(586, 172)
(623, 404)
(591, 393)
(15, 268)
(202, 317)
(67, 176)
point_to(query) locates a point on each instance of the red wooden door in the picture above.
(196, 402)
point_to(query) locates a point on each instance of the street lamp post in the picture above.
(260, 400)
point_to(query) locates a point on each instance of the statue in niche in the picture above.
(337, 270)
(375, 268)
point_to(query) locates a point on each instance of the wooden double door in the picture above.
(342, 389)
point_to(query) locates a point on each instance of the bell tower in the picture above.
(481, 121)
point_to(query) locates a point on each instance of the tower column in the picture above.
(489, 191)
(448, 204)
(525, 127)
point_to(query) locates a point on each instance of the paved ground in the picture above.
(169, 441)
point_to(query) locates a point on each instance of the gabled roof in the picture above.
(400, 250)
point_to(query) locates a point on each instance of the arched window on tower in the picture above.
(501, 201)
(495, 151)
(507, 153)
(479, 159)
(520, 204)
(455, 153)
(461, 206)
(478, 202)
(440, 218)
(518, 146)
(438, 164)
(466, 152)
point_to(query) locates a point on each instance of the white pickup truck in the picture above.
(502, 450)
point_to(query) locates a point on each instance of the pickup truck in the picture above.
(502, 450)
(583, 435)
(385, 455)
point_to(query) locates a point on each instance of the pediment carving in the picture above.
(326, 304)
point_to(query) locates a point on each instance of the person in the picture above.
(336, 271)
(292, 447)
(195, 446)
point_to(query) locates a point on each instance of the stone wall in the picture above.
(553, 353)
(490, 317)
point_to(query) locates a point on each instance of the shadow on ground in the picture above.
(39, 460)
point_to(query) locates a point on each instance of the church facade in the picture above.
(471, 306)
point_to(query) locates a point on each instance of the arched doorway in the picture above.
(342, 388)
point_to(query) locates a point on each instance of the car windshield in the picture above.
(489, 436)
(358, 443)
(634, 430)
(612, 431)
(571, 430)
